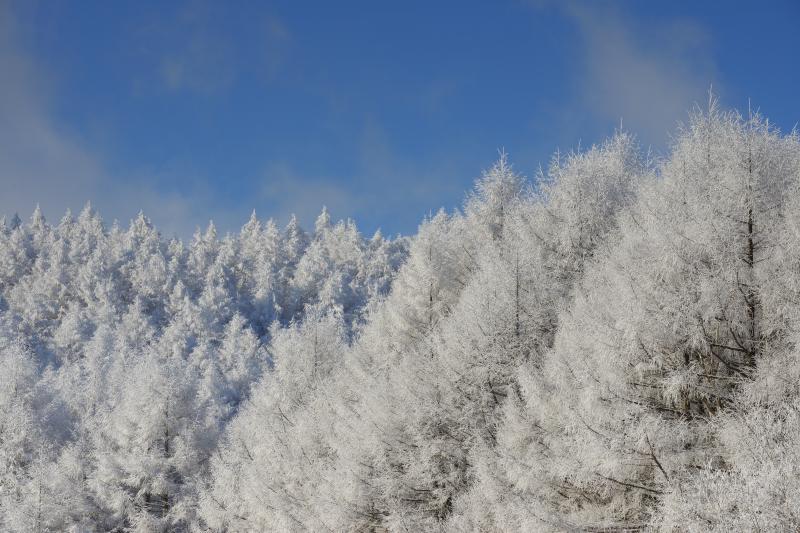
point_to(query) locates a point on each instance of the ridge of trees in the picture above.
(612, 349)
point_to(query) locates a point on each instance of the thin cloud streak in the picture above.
(41, 160)
(386, 184)
(628, 71)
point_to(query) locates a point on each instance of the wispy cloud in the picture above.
(188, 51)
(646, 74)
(42, 161)
(383, 185)
(276, 42)
(285, 191)
(37, 160)
(193, 47)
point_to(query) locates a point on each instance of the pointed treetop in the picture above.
(295, 239)
(496, 190)
(37, 218)
(500, 183)
(178, 291)
(270, 226)
(323, 221)
(293, 227)
(67, 219)
(211, 231)
(15, 222)
(253, 225)
(141, 226)
(713, 100)
(87, 212)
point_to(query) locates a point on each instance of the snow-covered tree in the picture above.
(663, 326)
(275, 454)
(613, 346)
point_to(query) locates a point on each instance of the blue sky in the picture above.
(383, 111)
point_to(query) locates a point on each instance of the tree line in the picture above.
(610, 346)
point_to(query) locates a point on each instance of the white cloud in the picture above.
(189, 48)
(276, 43)
(382, 186)
(37, 159)
(43, 162)
(647, 74)
(287, 192)
(196, 57)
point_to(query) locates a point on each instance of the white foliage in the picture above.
(612, 347)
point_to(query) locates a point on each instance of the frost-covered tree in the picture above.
(611, 347)
(137, 352)
(35, 427)
(751, 483)
(274, 469)
(146, 444)
(506, 316)
(663, 326)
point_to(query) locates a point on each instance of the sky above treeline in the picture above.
(383, 111)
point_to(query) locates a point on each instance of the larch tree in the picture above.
(612, 347)
(275, 453)
(664, 325)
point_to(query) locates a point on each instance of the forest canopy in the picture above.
(609, 346)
